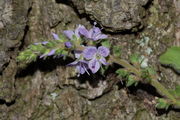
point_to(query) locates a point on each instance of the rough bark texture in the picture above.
(46, 89)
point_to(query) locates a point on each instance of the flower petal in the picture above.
(96, 30)
(68, 44)
(43, 55)
(44, 43)
(55, 36)
(69, 34)
(103, 61)
(77, 30)
(83, 31)
(77, 53)
(51, 52)
(85, 66)
(89, 52)
(103, 51)
(90, 34)
(80, 69)
(94, 65)
(73, 63)
(37, 43)
(95, 23)
(99, 36)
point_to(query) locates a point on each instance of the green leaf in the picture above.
(106, 43)
(117, 51)
(130, 81)
(103, 69)
(122, 72)
(21, 58)
(33, 57)
(46, 51)
(74, 37)
(147, 73)
(50, 45)
(27, 52)
(171, 58)
(151, 70)
(37, 48)
(177, 90)
(33, 47)
(58, 51)
(134, 58)
(172, 92)
(65, 53)
(162, 104)
(63, 38)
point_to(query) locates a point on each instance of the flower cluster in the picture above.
(82, 43)
(89, 58)
(91, 52)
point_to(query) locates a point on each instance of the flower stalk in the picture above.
(159, 87)
(125, 64)
(89, 57)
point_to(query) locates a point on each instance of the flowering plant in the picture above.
(90, 50)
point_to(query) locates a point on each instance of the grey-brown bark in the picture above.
(45, 90)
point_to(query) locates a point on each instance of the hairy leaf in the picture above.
(134, 58)
(106, 43)
(130, 81)
(117, 51)
(177, 91)
(162, 104)
(122, 73)
(171, 58)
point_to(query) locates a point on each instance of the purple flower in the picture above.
(52, 52)
(81, 66)
(96, 57)
(71, 33)
(55, 36)
(43, 43)
(68, 44)
(80, 63)
(37, 43)
(93, 34)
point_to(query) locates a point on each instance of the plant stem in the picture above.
(163, 91)
(125, 64)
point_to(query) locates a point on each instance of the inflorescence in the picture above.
(90, 50)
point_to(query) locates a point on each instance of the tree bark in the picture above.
(49, 90)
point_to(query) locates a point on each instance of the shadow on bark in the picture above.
(7, 103)
(46, 65)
